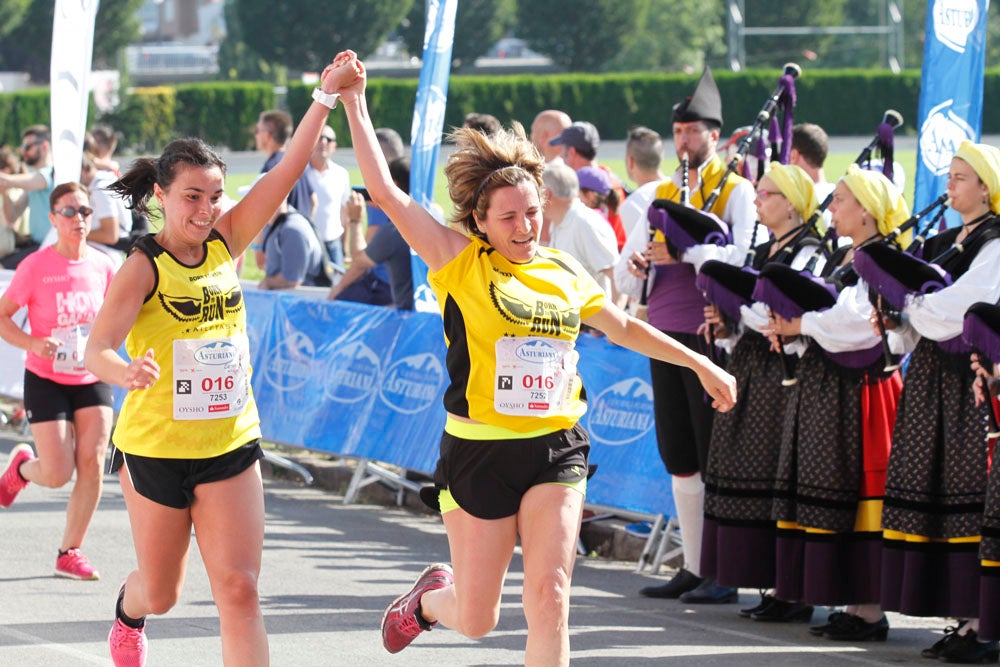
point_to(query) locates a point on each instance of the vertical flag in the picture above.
(428, 123)
(951, 92)
(72, 52)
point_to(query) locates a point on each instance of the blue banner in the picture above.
(951, 93)
(428, 123)
(368, 382)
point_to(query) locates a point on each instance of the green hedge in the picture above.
(842, 101)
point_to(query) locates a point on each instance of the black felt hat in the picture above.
(705, 104)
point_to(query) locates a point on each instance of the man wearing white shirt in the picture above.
(331, 185)
(577, 229)
(643, 155)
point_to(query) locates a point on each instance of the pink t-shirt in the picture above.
(62, 297)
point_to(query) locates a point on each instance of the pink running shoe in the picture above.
(401, 623)
(11, 482)
(128, 645)
(74, 565)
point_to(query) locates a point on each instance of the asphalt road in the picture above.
(328, 572)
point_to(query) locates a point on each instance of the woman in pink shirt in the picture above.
(62, 286)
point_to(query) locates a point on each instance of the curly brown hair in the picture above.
(482, 164)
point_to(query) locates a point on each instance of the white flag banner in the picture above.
(72, 53)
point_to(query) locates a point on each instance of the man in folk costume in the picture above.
(683, 417)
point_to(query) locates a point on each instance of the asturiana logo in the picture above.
(216, 354)
(940, 135)
(622, 413)
(537, 352)
(954, 21)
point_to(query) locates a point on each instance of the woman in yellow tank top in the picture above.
(513, 455)
(188, 438)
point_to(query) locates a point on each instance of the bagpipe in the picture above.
(893, 274)
(981, 331)
(731, 287)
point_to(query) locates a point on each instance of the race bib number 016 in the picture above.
(211, 377)
(534, 375)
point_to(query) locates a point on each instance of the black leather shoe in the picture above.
(968, 650)
(681, 583)
(710, 592)
(935, 651)
(780, 611)
(765, 601)
(832, 621)
(856, 629)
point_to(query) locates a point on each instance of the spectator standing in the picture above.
(331, 185)
(273, 129)
(113, 220)
(579, 144)
(548, 125)
(643, 157)
(36, 185)
(578, 229)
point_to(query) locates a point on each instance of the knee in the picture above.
(161, 600)
(546, 598)
(237, 590)
(478, 622)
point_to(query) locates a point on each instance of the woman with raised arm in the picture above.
(62, 287)
(187, 442)
(513, 455)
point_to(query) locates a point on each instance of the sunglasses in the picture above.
(29, 146)
(328, 140)
(763, 195)
(70, 212)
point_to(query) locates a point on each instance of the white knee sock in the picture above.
(689, 497)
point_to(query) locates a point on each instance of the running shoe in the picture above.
(401, 622)
(128, 645)
(74, 565)
(11, 482)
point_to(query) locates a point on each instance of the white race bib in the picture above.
(534, 375)
(211, 377)
(68, 358)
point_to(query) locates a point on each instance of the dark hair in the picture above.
(103, 139)
(136, 185)
(63, 188)
(645, 146)
(484, 122)
(279, 124)
(40, 131)
(810, 141)
(399, 170)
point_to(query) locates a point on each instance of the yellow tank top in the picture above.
(511, 331)
(195, 323)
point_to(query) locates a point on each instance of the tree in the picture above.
(237, 60)
(478, 25)
(306, 35)
(674, 35)
(12, 13)
(116, 25)
(582, 36)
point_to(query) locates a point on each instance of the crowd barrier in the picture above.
(367, 382)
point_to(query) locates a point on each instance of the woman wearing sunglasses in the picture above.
(62, 287)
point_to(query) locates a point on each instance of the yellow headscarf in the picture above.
(878, 196)
(985, 161)
(796, 186)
